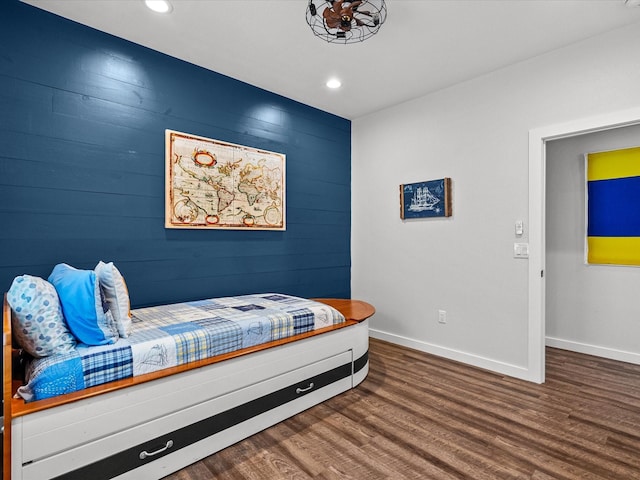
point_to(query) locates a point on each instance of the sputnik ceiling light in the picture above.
(346, 21)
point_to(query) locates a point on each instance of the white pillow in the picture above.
(116, 295)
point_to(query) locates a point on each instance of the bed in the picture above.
(161, 409)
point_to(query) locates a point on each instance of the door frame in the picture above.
(537, 204)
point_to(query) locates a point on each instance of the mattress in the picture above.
(170, 335)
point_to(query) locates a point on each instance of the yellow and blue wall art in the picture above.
(613, 207)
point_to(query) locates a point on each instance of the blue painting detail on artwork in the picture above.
(424, 199)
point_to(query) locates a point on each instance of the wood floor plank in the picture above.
(418, 416)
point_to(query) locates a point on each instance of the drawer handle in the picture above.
(146, 454)
(302, 390)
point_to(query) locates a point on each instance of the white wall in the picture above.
(477, 133)
(589, 308)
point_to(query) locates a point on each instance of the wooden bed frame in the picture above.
(152, 425)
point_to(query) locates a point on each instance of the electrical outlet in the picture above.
(520, 250)
(442, 316)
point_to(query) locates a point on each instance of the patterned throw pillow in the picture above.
(116, 295)
(36, 320)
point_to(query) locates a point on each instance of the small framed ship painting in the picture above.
(426, 199)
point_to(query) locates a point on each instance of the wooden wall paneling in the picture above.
(76, 202)
(18, 145)
(90, 178)
(324, 217)
(82, 126)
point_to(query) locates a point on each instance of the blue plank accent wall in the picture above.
(82, 121)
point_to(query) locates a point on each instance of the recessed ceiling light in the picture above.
(334, 83)
(160, 6)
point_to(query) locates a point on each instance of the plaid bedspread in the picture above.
(170, 335)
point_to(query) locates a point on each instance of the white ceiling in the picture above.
(424, 46)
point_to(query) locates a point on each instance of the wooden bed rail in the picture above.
(355, 310)
(7, 388)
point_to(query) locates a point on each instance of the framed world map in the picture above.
(211, 184)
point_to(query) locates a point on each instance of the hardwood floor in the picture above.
(418, 416)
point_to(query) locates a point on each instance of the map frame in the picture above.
(213, 184)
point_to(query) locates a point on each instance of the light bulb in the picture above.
(160, 6)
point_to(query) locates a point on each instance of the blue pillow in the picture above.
(82, 305)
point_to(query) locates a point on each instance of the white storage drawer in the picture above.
(48, 432)
(127, 449)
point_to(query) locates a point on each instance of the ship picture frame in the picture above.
(427, 199)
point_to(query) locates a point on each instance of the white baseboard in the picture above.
(457, 355)
(605, 352)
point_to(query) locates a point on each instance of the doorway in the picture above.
(538, 139)
(591, 309)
